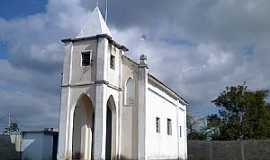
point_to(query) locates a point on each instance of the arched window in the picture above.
(130, 92)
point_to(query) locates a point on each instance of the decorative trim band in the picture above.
(97, 82)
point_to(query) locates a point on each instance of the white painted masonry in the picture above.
(102, 115)
(161, 145)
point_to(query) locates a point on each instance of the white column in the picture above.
(119, 108)
(101, 101)
(63, 126)
(100, 123)
(64, 151)
(142, 91)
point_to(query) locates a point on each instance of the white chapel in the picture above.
(111, 106)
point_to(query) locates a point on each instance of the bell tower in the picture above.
(91, 89)
(83, 51)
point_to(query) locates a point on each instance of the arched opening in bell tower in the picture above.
(83, 129)
(110, 129)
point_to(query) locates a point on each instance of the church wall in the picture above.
(83, 74)
(66, 65)
(116, 97)
(129, 113)
(76, 92)
(183, 137)
(113, 74)
(161, 145)
(70, 96)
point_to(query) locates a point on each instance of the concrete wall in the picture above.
(182, 141)
(8, 149)
(129, 113)
(29, 146)
(229, 150)
(161, 145)
(83, 74)
(113, 74)
(32, 146)
(37, 146)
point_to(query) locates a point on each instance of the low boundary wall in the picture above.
(229, 150)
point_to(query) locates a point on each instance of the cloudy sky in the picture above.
(196, 47)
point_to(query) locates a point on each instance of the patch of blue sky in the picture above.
(204, 110)
(3, 51)
(10, 9)
(4, 87)
(249, 50)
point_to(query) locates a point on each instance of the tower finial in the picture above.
(143, 61)
(97, 3)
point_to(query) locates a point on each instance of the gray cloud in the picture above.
(217, 34)
(197, 47)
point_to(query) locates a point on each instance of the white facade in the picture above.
(161, 145)
(110, 104)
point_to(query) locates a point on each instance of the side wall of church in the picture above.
(183, 136)
(129, 112)
(160, 144)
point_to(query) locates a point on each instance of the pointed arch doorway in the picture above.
(83, 129)
(110, 150)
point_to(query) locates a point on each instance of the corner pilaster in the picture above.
(142, 92)
(64, 145)
(101, 101)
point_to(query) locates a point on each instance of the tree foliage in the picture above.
(243, 114)
(192, 129)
